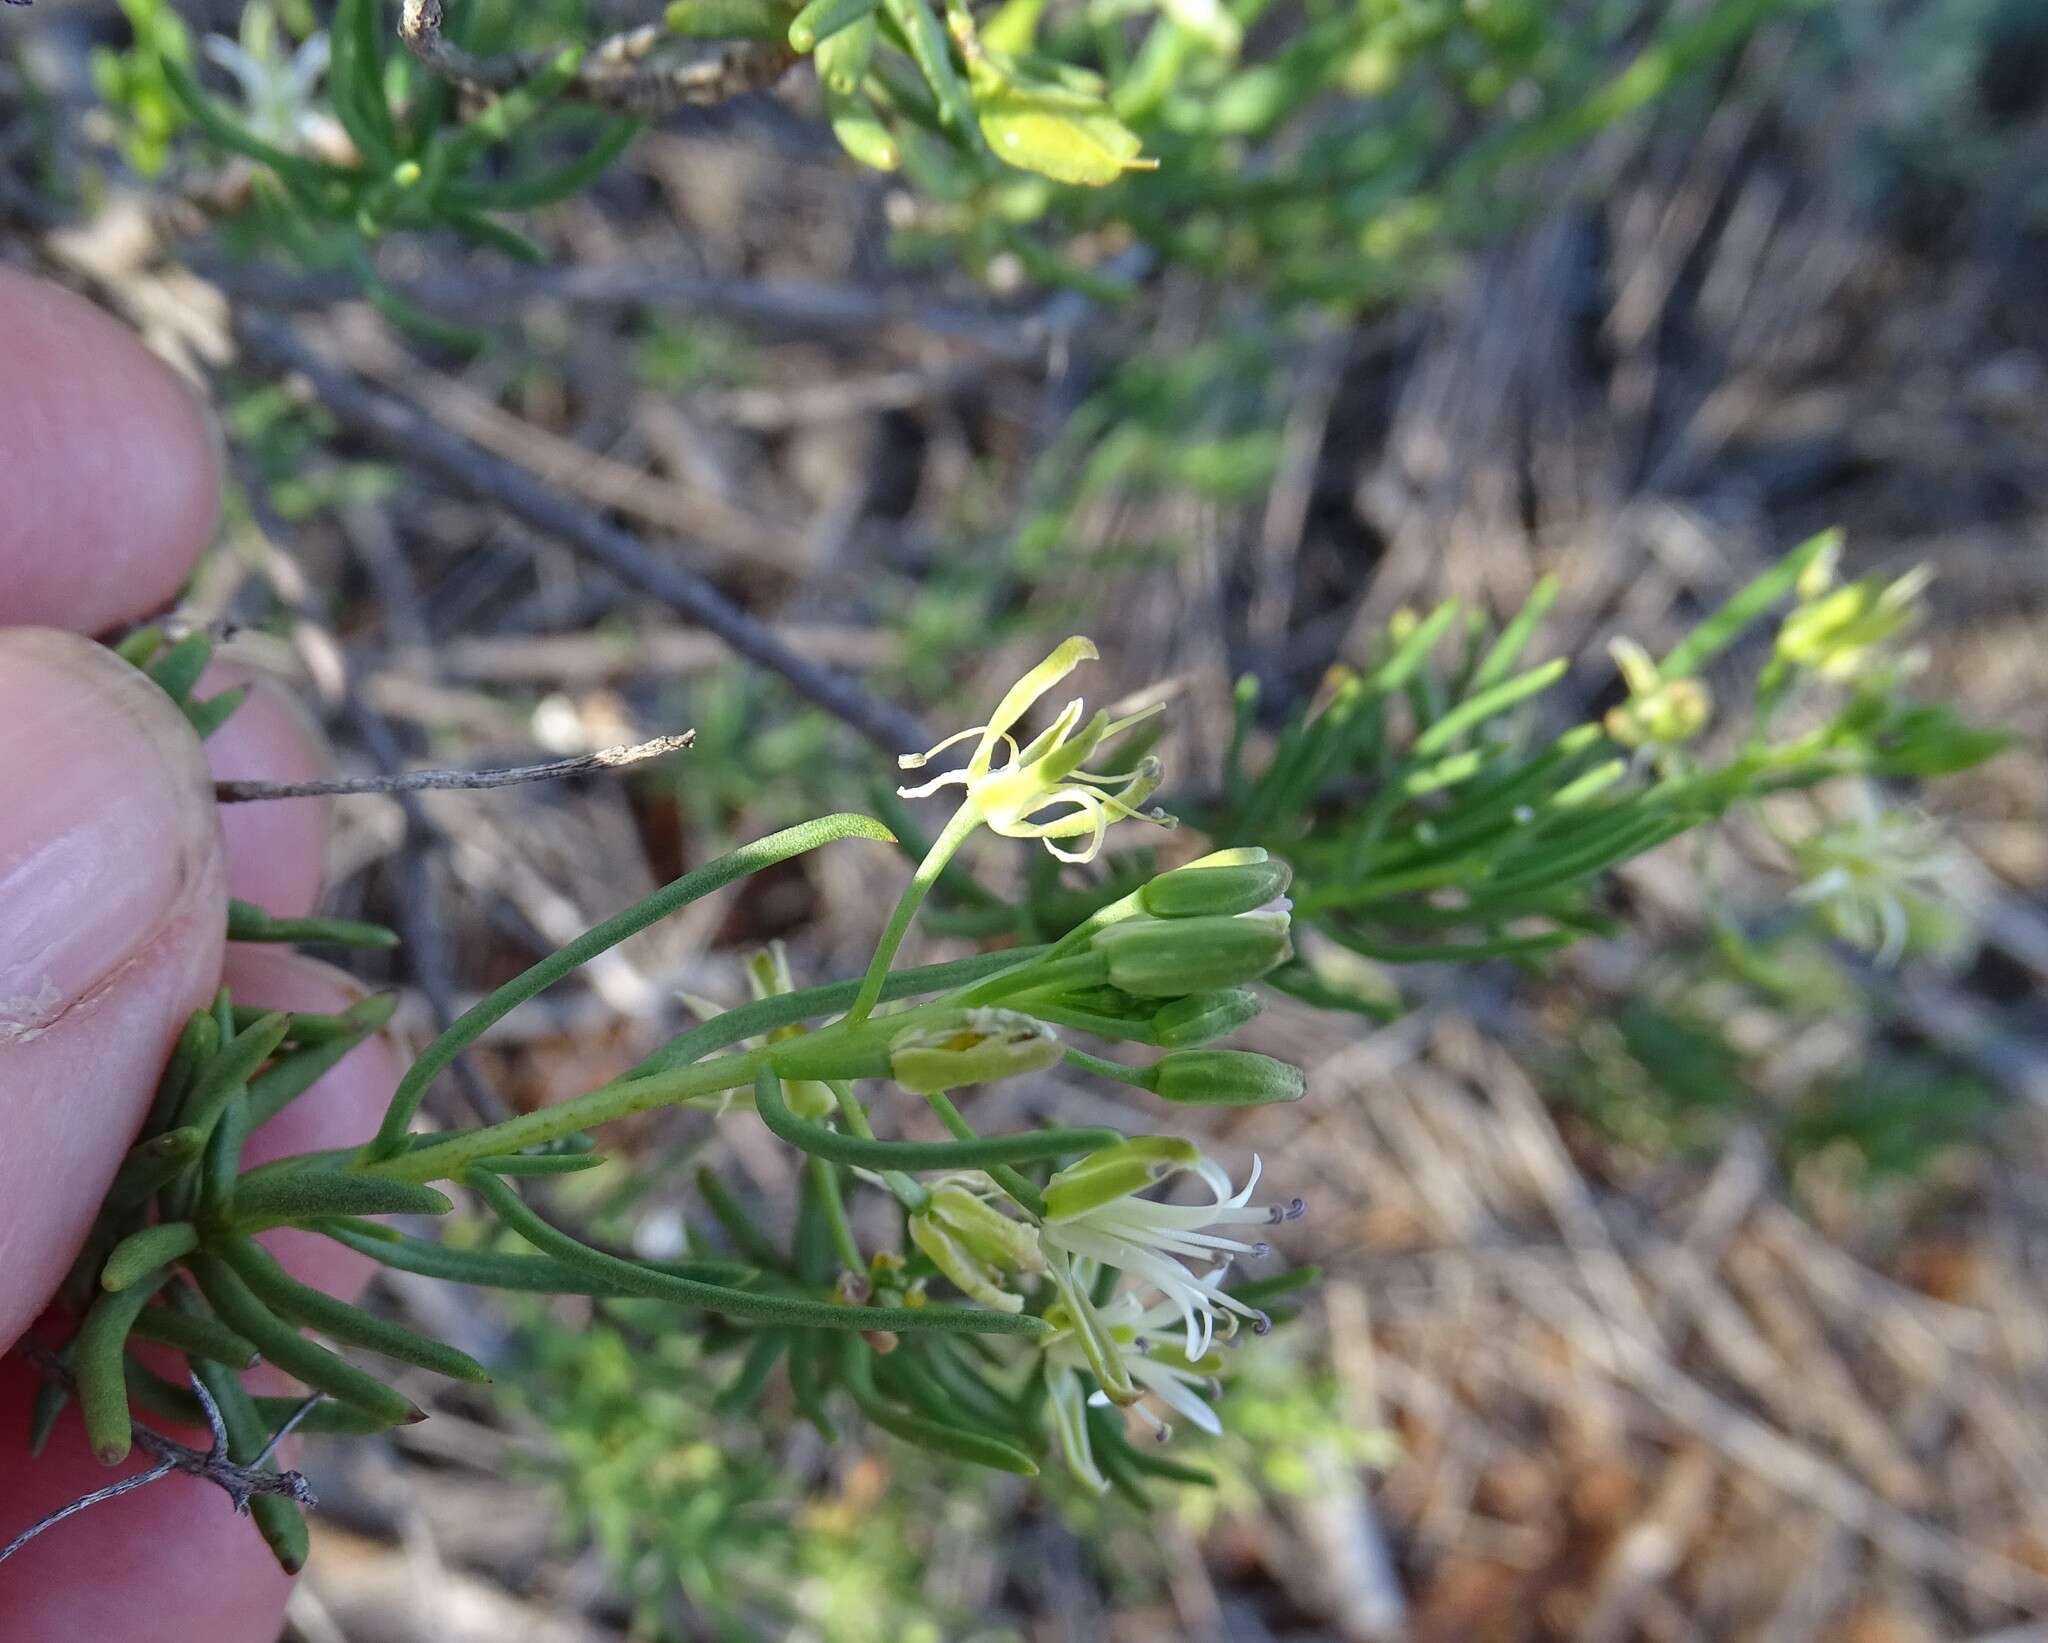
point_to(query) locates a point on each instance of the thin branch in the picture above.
(429, 781)
(408, 434)
(306, 1407)
(627, 71)
(156, 1473)
(239, 1483)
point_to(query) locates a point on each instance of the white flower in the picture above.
(1159, 1371)
(1046, 775)
(1093, 1213)
(1877, 874)
(277, 87)
(1183, 1384)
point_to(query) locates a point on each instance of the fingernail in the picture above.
(107, 827)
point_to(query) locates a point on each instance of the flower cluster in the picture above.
(1849, 634)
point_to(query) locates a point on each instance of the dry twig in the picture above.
(426, 781)
(241, 1483)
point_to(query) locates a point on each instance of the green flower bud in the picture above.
(1841, 634)
(971, 1047)
(1225, 1078)
(1116, 1172)
(1202, 1018)
(1172, 958)
(976, 1245)
(1196, 891)
(1659, 712)
(985, 1231)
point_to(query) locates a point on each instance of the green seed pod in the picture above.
(1202, 1018)
(1173, 958)
(1190, 892)
(971, 1047)
(1225, 1078)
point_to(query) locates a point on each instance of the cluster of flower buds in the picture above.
(1848, 634)
(1660, 713)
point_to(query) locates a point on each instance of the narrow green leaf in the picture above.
(304, 1195)
(196, 1046)
(208, 716)
(744, 1390)
(937, 1436)
(546, 187)
(290, 1351)
(1413, 651)
(52, 1397)
(337, 1320)
(933, 54)
(1485, 704)
(1721, 630)
(532, 1163)
(96, 1367)
(715, 875)
(822, 1141)
(248, 922)
(290, 1076)
(1514, 638)
(278, 1518)
(822, 19)
(177, 670)
(787, 1310)
(153, 1394)
(195, 1336)
(151, 1163)
(231, 1069)
(141, 1253)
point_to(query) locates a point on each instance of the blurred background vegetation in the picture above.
(1686, 1284)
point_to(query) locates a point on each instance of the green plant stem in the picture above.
(1027, 1196)
(955, 833)
(764, 1015)
(1137, 1077)
(444, 1160)
(909, 1193)
(825, 1181)
(969, 1152)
